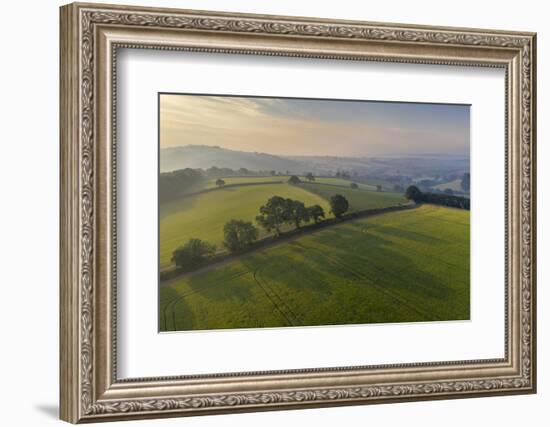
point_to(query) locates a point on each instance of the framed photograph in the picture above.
(265, 212)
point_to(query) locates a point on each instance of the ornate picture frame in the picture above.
(90, 37)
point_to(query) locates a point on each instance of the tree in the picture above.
(465, 182)
(294, 180)
(310, 177)
(213, 171)
(316, 212)
(449, 191)
(354, 185)
(273, 214)
(339, 205)
(397, 188)
(171, 183)
(297, 212)
(238, 235)
(273, 173)
(243, 171)
(220, 182)
(192, 254)
(413, 193)
(378, 187)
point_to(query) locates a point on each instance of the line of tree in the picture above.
(239, 235)
(414, 193)
(173, 184)
(279, 211)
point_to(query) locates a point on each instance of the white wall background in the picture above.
(29, 170)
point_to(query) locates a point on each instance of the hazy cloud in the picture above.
(314, 127)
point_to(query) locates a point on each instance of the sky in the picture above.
(293, 126)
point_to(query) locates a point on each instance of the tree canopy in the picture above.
(354, 185)
(273, 214)
(297, 212)
(316, 212)
(220, 182)
(294, 180)
(444, 199)
(171, 183)
(192, 254)
(339, 205)
(239, 234)
(279, 211)
(413, 193)
(310, 177)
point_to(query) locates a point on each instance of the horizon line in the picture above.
(320, 155)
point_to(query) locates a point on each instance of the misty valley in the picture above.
(253, 240)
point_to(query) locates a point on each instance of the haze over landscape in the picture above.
(300, 127)
(293, 212)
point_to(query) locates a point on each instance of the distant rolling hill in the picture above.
(204, 157)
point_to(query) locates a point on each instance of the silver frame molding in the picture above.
(90, 37)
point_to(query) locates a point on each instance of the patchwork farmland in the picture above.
(403, 266)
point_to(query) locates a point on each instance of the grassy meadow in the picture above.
(405, 266)
(203, 215)
(359, 199)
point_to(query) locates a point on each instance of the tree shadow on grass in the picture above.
(222, 283)
(302, 271)
(376, 259)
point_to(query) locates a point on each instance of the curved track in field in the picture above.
(169, 308)
(282, 307)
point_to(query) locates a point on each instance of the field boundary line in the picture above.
(209, 190)
(287, 237)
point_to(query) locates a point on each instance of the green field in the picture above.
(208, 184)
(358, 199)
(411, 265)
(343, 183)
(204, 215)
(231, 180)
